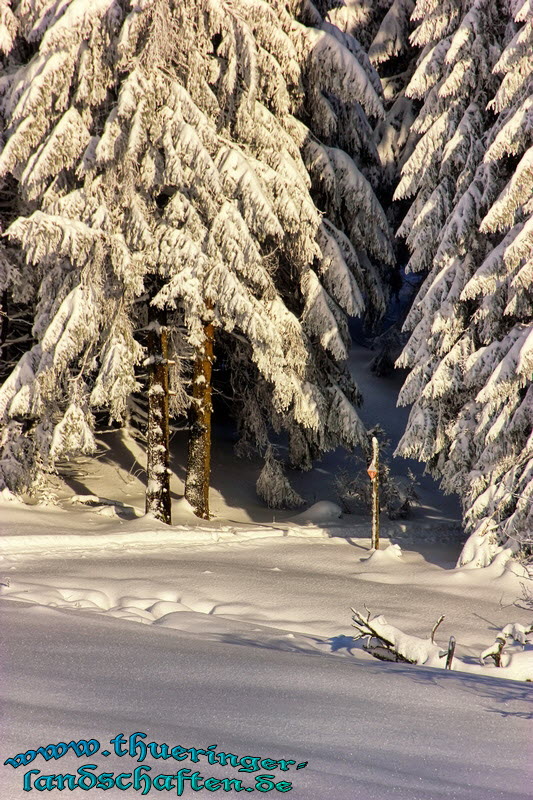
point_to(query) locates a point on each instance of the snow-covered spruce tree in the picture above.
(187, 157)
(454, 80)
(384, 28)
(471, 347)
(393, 55)
(17, 287)
(8, 28)
(7, 200)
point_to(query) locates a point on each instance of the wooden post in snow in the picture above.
(373, 472)
(158, 501)
(451, 651)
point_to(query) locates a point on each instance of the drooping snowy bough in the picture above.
(471, 226)
(388, 643)
(385, 29)
(203, 158)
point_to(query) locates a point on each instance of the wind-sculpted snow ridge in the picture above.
(211, 612)
(296, 576)
(195, 689)
(148, 534)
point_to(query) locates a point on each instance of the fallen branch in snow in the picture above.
(514, 632)
(389, 643)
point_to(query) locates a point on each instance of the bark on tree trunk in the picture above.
(157, 468)
(3, 317)
(199, 458)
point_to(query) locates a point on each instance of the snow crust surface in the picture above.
(242, 637)
(237, 632)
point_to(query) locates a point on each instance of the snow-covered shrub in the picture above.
(388, 643)
(397, 493)
(274, 488)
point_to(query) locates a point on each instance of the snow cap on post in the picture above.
(372, 468)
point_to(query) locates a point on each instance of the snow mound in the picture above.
(323, 511)
(6, 496)
(391, 553)
(182, 507)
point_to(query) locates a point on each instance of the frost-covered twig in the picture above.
(527, 595)
(435, 626)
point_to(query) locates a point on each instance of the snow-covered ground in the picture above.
(247, 644)
(237, 633)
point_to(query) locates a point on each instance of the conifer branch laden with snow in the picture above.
(177, 144)
(388, 643)
(469, 225)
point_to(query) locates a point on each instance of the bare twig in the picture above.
(435, 626)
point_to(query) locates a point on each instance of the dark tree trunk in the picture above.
(157, 468)
(199, 459)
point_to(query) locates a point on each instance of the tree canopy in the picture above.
(201, 157)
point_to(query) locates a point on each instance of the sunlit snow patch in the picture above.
(323, 511)
(390, 554)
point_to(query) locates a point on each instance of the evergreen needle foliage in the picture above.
(466, 192)
(194, 156)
